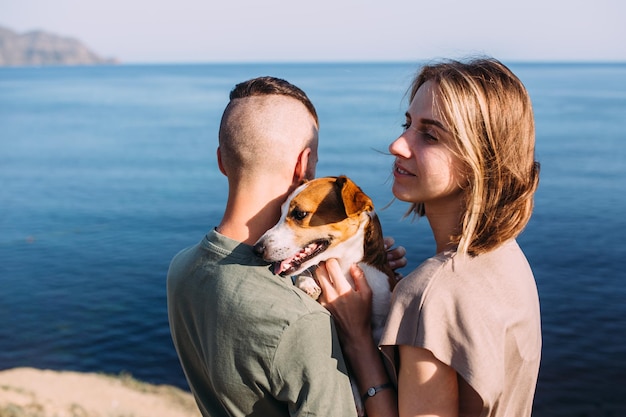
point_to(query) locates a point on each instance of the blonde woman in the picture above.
(463, 335)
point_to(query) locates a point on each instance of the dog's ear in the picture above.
(355, 201)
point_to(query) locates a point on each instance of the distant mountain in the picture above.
(41, 48)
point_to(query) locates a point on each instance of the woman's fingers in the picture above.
(323, 280)
(331, 279)
(360, 282)
(396, 257)
(389, 241)
(341, 283)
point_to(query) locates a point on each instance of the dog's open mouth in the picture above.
(290, 265)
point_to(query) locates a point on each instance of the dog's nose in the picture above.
(259, 248)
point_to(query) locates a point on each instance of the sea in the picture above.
(106, 172)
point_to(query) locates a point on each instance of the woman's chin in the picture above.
(403, 197)
(401, 193)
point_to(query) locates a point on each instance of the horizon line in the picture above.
(324, 62)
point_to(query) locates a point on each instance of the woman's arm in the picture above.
(426, 386)
(351, 310)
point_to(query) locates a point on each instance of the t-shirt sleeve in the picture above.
(309, 372)
(435, 310)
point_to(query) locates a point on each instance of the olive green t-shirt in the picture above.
(250, 343)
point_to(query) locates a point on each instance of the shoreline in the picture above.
(30, 392)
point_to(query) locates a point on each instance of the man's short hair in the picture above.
(271, 85)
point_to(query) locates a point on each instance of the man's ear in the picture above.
(300, 170)
(219, 161)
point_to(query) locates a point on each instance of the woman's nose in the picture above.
(399, 147)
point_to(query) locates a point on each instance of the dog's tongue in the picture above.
(295, 261)
(282, 266)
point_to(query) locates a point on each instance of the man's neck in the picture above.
(246, 218)
(239, 231)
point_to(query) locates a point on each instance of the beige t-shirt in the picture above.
(480, 315)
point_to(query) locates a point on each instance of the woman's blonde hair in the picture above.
(489, 114)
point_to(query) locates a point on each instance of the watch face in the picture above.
(371, 391)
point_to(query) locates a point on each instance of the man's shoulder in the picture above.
(258, 286)
(184, 259)
(236, 274)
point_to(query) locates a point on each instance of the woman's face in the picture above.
(426, 170)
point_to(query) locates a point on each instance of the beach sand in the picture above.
(28, 392)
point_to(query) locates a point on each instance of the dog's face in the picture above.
(317, 219)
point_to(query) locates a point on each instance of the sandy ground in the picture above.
(28, 392)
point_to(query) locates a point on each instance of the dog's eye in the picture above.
(298, 214)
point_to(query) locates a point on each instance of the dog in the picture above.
(325, 218)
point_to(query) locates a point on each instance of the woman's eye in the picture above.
(298, 214)
(430, 137)
(406, 125)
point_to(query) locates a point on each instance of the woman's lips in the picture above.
(398, 170)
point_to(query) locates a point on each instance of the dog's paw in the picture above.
(307, 284)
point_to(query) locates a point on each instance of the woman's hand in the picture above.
(349, 301)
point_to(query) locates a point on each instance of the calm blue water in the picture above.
(106, 172)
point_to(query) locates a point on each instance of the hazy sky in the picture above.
(151, 31)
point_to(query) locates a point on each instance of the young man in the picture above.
(250, 343)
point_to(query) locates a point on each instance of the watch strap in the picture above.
(371, 391)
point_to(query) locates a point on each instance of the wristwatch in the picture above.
(371, 391)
